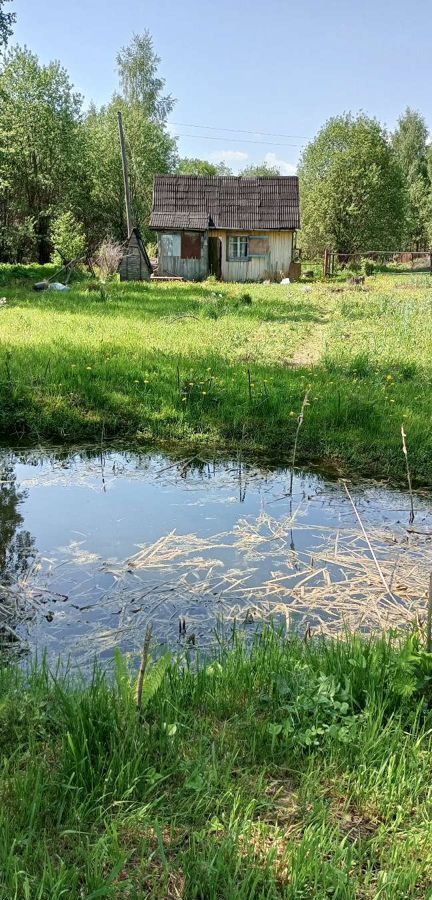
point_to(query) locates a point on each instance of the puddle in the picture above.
(93, 548)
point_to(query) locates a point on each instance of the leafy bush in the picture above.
(354, 265)
(68, 239)
(369, 267)
(152, 249)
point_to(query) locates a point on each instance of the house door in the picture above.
(215, 256)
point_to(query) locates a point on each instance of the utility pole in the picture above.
(125, 175)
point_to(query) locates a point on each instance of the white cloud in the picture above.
(229, 156)
(285, 168)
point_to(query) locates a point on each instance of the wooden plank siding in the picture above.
(258, 268)
(135, 265)
(191, 269)
(275, 263)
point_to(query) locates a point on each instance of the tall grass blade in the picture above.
(405, 452)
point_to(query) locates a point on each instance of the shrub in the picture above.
(152, 249)
(68, 239)
(354, 265)
(369, 267)
(108, 257)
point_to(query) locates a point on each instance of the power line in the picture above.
(240, 130)
(210, 137)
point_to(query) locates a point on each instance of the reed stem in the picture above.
(299, 425)
(405, 452)
(143, 667)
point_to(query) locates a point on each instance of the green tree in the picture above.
(189, 166)
(410, 142)
(150, 148)
(7, 19)
(40, 144)
(262, 170)
(68, 238)
(352, 189)
(140, 82)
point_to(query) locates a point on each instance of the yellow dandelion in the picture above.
(203, 392)
(292, 414)
(88, 367)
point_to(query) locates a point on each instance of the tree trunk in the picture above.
(44, 243)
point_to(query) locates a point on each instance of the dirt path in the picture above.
(312, 350)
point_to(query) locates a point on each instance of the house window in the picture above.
(237, 246)
(258, 245)
(191, 245)
(242, 246)
(170, 244)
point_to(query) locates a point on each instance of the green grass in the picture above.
(291, 770)
(169, 363)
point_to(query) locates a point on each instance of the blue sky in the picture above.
(274, 66)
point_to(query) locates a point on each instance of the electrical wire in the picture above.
(240, 130)
(210, 137)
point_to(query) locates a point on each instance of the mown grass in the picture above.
(288, 770)
(172, 362)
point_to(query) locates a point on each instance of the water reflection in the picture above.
(17, 553)
(124, 537)
(17, 546)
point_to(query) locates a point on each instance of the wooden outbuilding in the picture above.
(236, 228)
(135, 264)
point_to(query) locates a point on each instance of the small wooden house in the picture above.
(135, 264)
(236, 228)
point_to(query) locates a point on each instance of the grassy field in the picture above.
(202, 365)
(294, 771)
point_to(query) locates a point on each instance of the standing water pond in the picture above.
(95, 546)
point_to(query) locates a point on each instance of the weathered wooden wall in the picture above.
(191, 269)
(277, 260)
(133, 266)
(260, 267)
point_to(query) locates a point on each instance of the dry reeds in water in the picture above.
(339, 575)
(371, 550)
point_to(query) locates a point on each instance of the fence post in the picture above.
(325, 264)
(430, 262)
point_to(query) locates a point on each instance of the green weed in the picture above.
(283, 770)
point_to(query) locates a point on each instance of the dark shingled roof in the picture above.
(184, 220)
(197, 203)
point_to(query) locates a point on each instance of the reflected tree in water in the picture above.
(17, 546)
